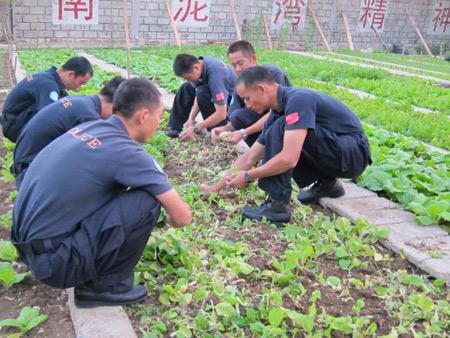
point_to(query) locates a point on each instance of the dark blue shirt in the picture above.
(29, 96)
(77, 174)
(219, 77)
(304, 108)
(53, 121)
(278, 75)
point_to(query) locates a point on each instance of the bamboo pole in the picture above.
(419, 34)
(174, 27)
(347, 30)
(379, 37)
(269, 41)
(127, 35)
(318, 27)
(236, 24)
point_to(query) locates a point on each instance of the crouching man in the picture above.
(310, 137)
(90, 200)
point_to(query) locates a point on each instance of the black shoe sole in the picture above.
(336, 194)
(279, 225)
(87, 304)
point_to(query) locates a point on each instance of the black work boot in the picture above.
(325, 188)
(275, 211)
(85, 297)
(173, 133)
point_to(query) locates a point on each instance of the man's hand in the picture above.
(189, 123)
(187, 134)
(233, 137)
(206, 190)
(215, 133)
(237, 180)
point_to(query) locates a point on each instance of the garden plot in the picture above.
(319, 276)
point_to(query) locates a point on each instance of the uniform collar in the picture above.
(52, 70)
(97, 103)
(116, 122)
(204, 77)
(281, 99)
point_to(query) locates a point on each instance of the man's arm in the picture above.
(288, 157)
(219, 115)
(236, 136)
(178, 212)
(194, 112)
(244, 162)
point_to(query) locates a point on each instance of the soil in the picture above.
(53, 302)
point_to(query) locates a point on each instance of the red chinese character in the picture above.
(194, 11)
(442, 18)
(75, 6)
(291, 10)
(374, 13)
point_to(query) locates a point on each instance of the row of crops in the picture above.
(221, 277)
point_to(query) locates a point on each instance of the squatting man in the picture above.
(310, 137)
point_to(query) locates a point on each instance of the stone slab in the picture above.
(103, 321)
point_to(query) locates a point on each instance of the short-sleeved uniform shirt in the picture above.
(53, 121)
(219, 77)
(304, 108)
(77, 174)
(278, 75)
(31, 95)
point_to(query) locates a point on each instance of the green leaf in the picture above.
(276, 315)
(8, 251)
(225, 309)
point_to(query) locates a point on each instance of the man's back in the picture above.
(28, 97)
(53, 121)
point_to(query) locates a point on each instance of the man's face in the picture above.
(152, 120)
(241, 62)
(255, 97)
(194, 75)
(72, 82)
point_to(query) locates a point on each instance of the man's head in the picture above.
(138, 103)
(241, 56)
(257, 87)
(107, 95)
(75, 72)
(188, 67)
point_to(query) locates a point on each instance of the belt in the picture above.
(17, 168)
(38, 244)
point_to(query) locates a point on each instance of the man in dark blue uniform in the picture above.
(245, 123)
(90, 200)
(209, 90)
(309, 136)
(57, 118)
(39, 90)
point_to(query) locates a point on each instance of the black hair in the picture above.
(110, 87)
(80, 65)
(184, 63)
(243, 46)
(134, 94)
(253, 75)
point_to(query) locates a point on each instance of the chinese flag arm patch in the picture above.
(292, 118)
(220, 97)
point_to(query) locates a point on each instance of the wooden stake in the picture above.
(404, 48)
(269, 41)
(318, 27)
(174, 27)
(127, 35)
(236, 24)
(347, 30)
(379, 37)
(419, 34)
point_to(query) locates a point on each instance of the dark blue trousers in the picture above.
(183, 102)
(103, 252)
(243, 118)
(324, 155)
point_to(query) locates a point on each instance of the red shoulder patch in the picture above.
(220, 97)
(292, 118)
